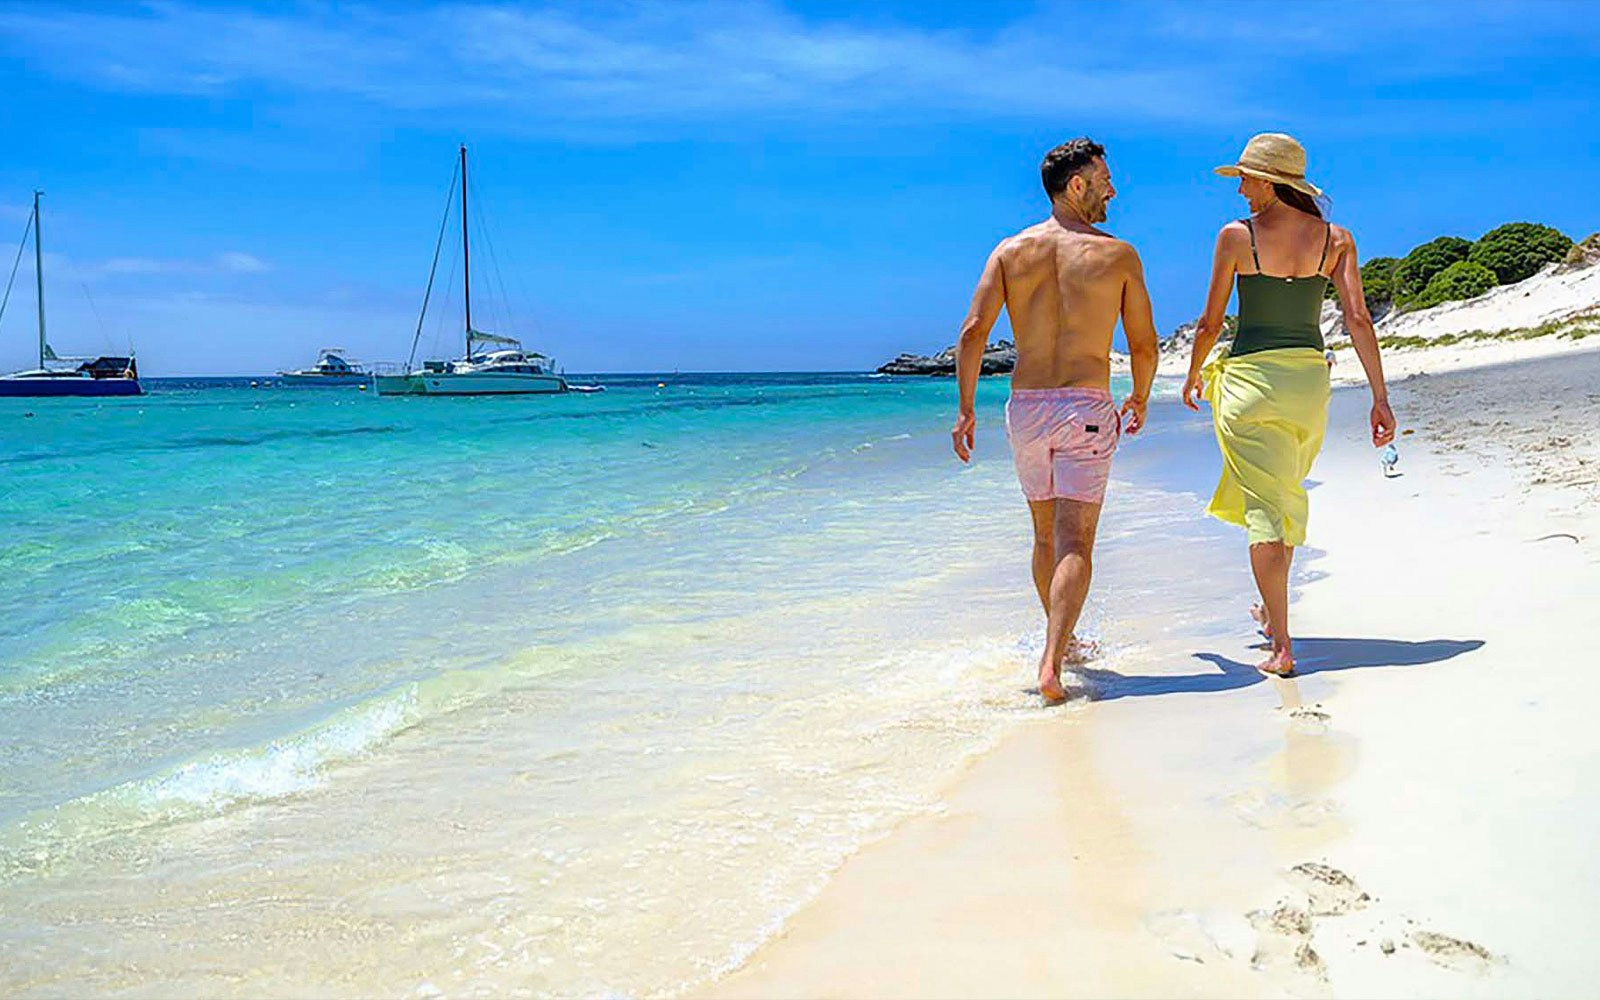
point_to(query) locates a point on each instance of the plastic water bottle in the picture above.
(1390, 457)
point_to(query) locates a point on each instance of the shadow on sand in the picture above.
(1312, 656)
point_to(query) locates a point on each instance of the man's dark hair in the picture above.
(1066, 161)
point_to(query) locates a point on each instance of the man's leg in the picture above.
(1044, 548)
(1270, 561)
(1074, 528)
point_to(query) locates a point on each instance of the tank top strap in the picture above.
(1327, 239)
(1250, 224)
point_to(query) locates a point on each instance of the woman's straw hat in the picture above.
(1275, 157)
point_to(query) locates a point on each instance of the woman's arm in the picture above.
(1358, 321)
(1223, 267)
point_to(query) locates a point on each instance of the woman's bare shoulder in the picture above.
(1233, 236)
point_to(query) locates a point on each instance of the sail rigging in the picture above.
(491, 364)
(101, 376)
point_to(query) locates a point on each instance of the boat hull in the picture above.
(33, 387)
(470, 384)
(298, 378)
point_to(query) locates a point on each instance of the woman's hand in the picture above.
(1382, 423)
(1194, 388)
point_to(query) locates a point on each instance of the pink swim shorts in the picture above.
(1062, 441)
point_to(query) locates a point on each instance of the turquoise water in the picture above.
(215, 565)
(481, 694)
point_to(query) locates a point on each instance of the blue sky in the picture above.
(713, 185)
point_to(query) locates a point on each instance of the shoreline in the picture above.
(1197, 842)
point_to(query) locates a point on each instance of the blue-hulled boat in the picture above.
(56, 376)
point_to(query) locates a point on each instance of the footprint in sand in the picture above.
(1453, 953)
(1330, 891)
(1283, 942)
(1201, 937)
(1266, 810)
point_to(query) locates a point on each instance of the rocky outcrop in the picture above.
(1585, 253)
(999, 358)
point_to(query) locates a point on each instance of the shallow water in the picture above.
(308, 691)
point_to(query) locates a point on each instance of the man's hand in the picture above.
(1382, 423)
(1132, 413)
(963, 435)
(1194, 388)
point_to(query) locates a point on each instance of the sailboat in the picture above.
(55, 376)
(492, 365)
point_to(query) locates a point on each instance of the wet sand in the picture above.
(1411, 816)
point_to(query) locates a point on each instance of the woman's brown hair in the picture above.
(1295, 198)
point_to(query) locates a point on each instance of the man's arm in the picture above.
(1138, 323)
(987, 301)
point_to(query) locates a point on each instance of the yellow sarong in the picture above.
(1270, 409)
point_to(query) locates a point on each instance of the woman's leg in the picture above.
(1269, 561)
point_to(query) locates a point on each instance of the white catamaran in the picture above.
(503, 369)
(55, 376)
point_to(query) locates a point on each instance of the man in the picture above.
(1064, 284)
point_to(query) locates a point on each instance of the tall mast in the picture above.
(466, 258)
(38, 273)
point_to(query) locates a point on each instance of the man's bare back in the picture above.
(1065, 284)
(1064, 289)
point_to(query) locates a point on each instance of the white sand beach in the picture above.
(1412, 816)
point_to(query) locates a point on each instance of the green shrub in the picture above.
(1377, 281)
(1423, 263)
(1461, 280)
(1517, 250)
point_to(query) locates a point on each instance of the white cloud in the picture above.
(230, 262)
(242, 263)
(602, 71)
(140, 265)
(617, 62)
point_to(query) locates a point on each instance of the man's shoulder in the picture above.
(1115, 250)
(1027, 237)
(1048, 236)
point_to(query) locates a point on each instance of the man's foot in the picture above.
(1263, 625)
(1050, 688)
(1279, 664)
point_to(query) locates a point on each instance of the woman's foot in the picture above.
(1279, 664)
(1259, 613)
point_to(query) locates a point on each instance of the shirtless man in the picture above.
(1064, 283)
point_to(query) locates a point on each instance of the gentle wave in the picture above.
(219, 782)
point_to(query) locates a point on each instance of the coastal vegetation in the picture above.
(1575, 327)
(1518, 249)
(1465, 279)
(1450, 269)
(1585, 251)
(1419, 267)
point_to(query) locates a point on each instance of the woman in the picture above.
(1269, 392)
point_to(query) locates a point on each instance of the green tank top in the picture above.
(1277, 312)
